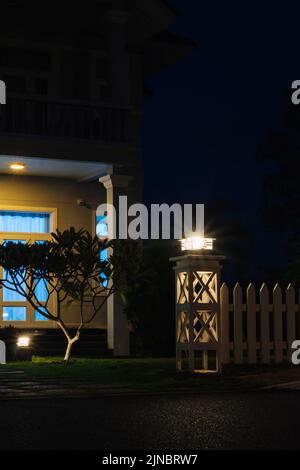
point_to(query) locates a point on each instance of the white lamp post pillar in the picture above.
(198, 337)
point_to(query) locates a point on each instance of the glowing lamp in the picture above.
(17, 166)
(23, 342)
(197, 243)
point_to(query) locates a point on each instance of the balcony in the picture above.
(66, 120)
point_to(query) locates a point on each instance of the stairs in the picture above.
(52, 342)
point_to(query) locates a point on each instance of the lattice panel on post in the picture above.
(197, 299)
(182, 288)
(205, 287)
(182, 327)
(205, 327)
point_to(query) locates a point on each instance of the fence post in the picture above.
(238, 324)
(291, 319)
(277, 302)
(251, 324)
(225, 346)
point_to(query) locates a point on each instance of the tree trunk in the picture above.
(71, 343)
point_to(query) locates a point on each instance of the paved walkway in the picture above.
(15, 385)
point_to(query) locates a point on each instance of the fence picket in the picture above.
(251, 324)
(291, 324)
(264, 324)
(291, 319)
(225, 344)
(277, 302)
(238, 324)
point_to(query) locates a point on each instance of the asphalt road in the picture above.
(268, 420)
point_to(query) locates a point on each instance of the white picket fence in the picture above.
(257, 327)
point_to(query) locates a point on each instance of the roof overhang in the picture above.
(147, 18)
(165, 49)
(80, 171)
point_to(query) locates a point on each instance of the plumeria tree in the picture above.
(71, 269)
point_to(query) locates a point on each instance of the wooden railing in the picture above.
(59, 118)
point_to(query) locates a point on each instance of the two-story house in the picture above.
(71, 130)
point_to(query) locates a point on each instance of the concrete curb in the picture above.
(284, 386)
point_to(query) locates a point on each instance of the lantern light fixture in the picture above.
(197, 243)
(23, 342)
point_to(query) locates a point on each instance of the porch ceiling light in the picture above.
(197, 243)
(17, 166)
(23, 342)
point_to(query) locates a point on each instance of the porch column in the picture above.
(117, 324)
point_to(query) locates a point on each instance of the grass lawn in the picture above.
(143, 374)
(150, 374)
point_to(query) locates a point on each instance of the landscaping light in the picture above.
(23, 342)
(197, 243)
(17, 166)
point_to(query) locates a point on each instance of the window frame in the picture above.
(34, 237)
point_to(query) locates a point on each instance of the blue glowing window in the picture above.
(14, 313)
(10, 295)
(39, 317)
(102, 226)
(24, 222)
(102, 232)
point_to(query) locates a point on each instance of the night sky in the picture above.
(209, 113)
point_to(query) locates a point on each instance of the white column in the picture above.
(117, 324)
(2, 352)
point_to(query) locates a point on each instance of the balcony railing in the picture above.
(67, 120)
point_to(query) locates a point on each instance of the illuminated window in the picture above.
(24, 222)
(102, 233)
(102, 226)
(35, 227)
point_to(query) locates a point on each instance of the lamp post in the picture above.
(197, 277)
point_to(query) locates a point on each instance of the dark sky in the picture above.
(210, 111)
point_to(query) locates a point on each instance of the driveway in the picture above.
(261, 420)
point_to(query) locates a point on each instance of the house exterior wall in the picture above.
(75, 92)
(62, 195)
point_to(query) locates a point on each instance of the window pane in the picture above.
(5, 242)
(102, 226)
(103, 277)
(9, 295)
(24, 222)
(41, 290)
(102, 232)
(39, 317)
(14, 313)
